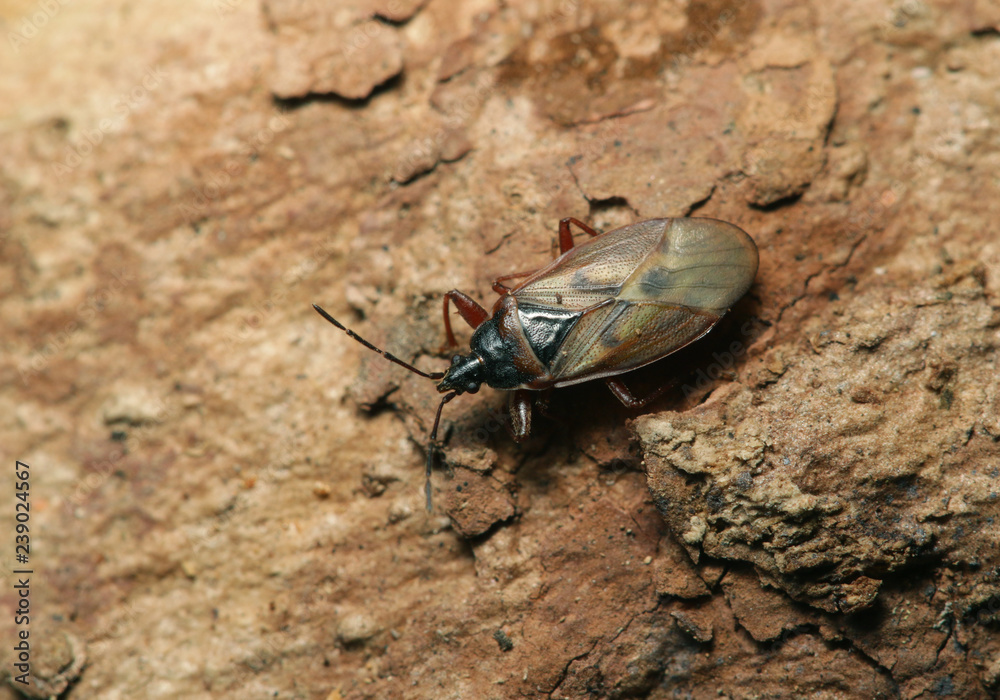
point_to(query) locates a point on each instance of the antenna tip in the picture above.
(329, 318)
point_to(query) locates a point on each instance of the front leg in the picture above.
(520, 414)
(468, 309)
(565, 243)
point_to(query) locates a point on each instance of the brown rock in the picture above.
(226, 492)
(674, 574)
(344, 50)
(763, 612)
(475, 502)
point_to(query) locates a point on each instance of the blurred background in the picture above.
(226, 492)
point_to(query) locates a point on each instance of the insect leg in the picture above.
(520, 414)
(387, 355)
(566, 236)
(500, 288)
(468, 309)
(565, 243)
(623, 394)
(432, 447)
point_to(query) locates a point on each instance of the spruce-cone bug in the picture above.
(619, 301)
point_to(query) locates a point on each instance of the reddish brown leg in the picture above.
(565, 243)
(500, 288)
(566, 236)
(468, 309)
(520, 414)
(623, 394)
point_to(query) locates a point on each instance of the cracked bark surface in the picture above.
(228, 492)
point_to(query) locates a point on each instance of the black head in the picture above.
(465, 375)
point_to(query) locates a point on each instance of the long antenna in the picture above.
(387, 355)
(432, 447)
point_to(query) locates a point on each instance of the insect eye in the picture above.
(472, 388)
(456, 359)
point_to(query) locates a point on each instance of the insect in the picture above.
(617, 302)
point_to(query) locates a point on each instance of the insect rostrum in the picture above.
(619, 301)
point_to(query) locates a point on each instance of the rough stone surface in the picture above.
(227, 492)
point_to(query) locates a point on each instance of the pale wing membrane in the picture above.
(593, 271)
(699, 263)
(620, 336)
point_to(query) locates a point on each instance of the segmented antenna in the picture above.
(432, 445)
(387, 355)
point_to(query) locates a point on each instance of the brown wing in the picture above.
(645, 291)
(619, 336)
(699, 263)
(592, 272)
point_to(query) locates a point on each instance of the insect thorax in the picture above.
(546, 328)
(503, 354)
